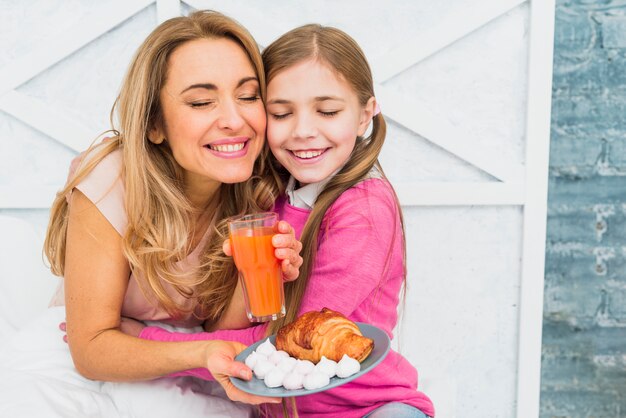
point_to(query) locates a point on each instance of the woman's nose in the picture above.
(230, 117)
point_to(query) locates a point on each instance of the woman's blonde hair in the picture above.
(159, 215)
(341, 53)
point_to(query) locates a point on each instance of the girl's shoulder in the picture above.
(370, 197)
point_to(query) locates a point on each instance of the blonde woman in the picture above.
(138, 230)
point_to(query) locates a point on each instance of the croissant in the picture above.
(324, 333)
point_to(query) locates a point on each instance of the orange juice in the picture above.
(260, 270)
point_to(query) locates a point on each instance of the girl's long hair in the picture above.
(160, 217)
(341, 53)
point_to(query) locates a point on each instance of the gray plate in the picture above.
(257, 386)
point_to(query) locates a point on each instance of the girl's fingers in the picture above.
(226, 248)
(63, 326)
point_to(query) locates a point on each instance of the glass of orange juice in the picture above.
(259, 269)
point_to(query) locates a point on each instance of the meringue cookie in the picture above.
(277, 356)
(347, 366)
(327, 366)
(274, 378)
(287, 364)
(251, 360)
(266, 348)
(262, 367)
(304, 367)
(315, 380)
(293, 381)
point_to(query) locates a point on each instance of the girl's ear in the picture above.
(367, 113)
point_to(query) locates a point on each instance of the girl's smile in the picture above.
(314, 119)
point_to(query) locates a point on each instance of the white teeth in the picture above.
(227, 148)
(307, 154)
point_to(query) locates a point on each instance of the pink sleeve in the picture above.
(245, 336)
(360, 262)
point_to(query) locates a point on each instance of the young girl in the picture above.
(320, 102)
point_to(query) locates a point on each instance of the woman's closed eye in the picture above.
(250, 98)
(200, 104)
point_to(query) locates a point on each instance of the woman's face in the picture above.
(314, 118)
(214, 118)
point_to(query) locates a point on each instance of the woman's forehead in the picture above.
(218, 61)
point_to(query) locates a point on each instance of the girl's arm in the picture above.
(360, 256)
(96, 278)
(364, 235)
(246, 336)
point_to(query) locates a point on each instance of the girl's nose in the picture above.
(230, 117)
(305, 128)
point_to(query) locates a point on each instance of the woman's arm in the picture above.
(96, 278)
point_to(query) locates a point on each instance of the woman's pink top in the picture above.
(358, 271)
(105, 188)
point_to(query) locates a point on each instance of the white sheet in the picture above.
(38, 379)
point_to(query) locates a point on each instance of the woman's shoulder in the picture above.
(104, 187)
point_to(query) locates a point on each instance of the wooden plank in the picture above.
(17, 196)
(459, 194)
(47, 119)
(455, 26)
(534, 228)
(167, 9)
(420, 119)
(54, 49)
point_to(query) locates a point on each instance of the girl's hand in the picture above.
(221, 363)
(131, 326)
(287, 249)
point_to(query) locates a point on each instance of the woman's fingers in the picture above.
(221, 364)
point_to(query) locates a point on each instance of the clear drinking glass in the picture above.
(259, 269)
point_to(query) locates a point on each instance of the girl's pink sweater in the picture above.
(358, 271)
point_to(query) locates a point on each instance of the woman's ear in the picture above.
(156, 136)
(367, 113)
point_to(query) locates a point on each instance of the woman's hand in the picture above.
(287, 249)
(221, 363)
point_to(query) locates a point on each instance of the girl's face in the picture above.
(314, 118)
(214, 119)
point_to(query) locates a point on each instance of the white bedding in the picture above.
(37, 376)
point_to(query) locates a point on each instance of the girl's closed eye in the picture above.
(279, 116)
(328, 113)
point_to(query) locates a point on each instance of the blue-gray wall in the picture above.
(584, 332)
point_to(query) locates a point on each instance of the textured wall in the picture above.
(460, 321)
(584, 340)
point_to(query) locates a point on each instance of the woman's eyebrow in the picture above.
(206, 86)
(211, 86)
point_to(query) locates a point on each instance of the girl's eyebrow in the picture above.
(316, 99)
(211, 86)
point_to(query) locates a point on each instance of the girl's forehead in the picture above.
(313, 76)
